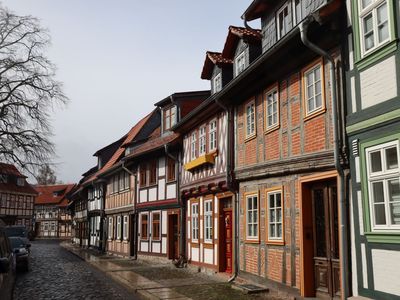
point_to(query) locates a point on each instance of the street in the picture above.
(57, 274)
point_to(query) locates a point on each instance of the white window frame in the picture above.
(193, 144)
(268, 105)
(202, 140)
(294, 12)
(306, 85)
(125, 229)
(240, 63)
(194, 222)
(290, 26)
(364, 12)
(385, 175)
(208, 221)
(118, 227)
(250, 119)
(276, 209)
(251, 211)
(212, 135)
(20, 181)
(217, 83)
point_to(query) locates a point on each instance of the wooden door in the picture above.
(228, 239)
(326, 241)
(173, 236)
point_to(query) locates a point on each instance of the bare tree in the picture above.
(28, 91)
(46, 175)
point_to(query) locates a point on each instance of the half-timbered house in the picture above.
(155, 159)
(52, 218)
(17, 197)
(373, 129)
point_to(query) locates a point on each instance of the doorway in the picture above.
(326, 240)
(173, 236)
(226, 236)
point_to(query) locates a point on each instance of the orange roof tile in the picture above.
(53, 194)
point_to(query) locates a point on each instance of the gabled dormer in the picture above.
(242, 47)
(218, 70)
(176, 106)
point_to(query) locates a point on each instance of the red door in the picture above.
(228, 239)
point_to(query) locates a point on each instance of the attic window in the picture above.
(169, 117)
(217, 83)
(55, 194)
(20, 181)
(3, 178)
(283, 20)
(240, 63)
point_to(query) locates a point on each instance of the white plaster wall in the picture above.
(353, 251)
(164, 245)
(215, 254)
(156, 247)
(195, 254)
(143, 196)
(144, 246)
(161, 166)
(360, 212)
(208, 256)
(161, 189)
(357, 166)
(171, 191)
(188, 229)
(201, 258)
(364, 266)
(386, 266)
(153, 194)
(164, 219)
(378, 88)
(215, 229)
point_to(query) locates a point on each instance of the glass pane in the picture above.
(279, 230)
(383, 32)
(380, 218)
(395, 213)
(272, 215)
(311, 104)
(368, 23)
(318, 87)
(318, 101)
(369, 41)
(249, 203)
(272, 230)
(278, 200)
(310, 92)
(255, 202)
(317, 74)
(394, 190)
(279, 215)
(250, 231)
(376, 163)
(271, 201)
(310, 80)
(391, 158)
(382, 13)
(377, 192)
(365, 3)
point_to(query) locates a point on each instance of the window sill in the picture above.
(195, 244)
(383, 237)
(272, 128)
(250, 137)
(315, 113)
(277, 242)
(247, 241)
(376, 55)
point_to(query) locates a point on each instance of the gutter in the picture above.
(135, 225)
(229, 177)
(343, 247)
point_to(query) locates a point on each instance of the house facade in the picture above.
(373, 130)
(17, 197)
(52, 218)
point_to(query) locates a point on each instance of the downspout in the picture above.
(229, 177)
(135, 226)
(182, 258)
(342, 203)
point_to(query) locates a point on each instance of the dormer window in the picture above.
(217, 83)
(283, 20)
(193, 143)
(55, 194)
(20, 181)
(240, 63)
(169, 117)
(3, 178)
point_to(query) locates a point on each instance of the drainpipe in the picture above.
(135, 226)
(229, 175)
(182, 258)
(342, 203)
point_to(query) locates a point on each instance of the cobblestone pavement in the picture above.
(58, 274)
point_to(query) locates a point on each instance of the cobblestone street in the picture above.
(57, 274)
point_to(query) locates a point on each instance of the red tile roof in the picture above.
(212, 59)
(11, 185)
(9, 169)
(53, 194)
(235, 34)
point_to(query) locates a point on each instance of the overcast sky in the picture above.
(117, 58)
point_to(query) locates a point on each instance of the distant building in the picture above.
(51, 215)
(17, 197)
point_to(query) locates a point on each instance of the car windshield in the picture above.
(16, 243)
(16, 231)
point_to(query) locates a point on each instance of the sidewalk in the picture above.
(162, 280)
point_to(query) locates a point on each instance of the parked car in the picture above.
(19, 231)
(7, 267)
(21, 251)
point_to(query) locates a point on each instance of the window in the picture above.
(155, 233)
(195, 222)
(20, 181)
(383, 176)
(202, 140)
(252, 217)
(193, 143)
(283, 20)
(110, 228)
(272, 107)
(313, 85)
(208, 221)
(3, 178)
(275, 218)
(169, 117)
(240, 63)
(143, 175)
(119, 227)
(212, 132)
(374, 24)
(153, 172)
(217, 83)
(171, 169)
(250, 119)
(125, 229)
(144, 222)
(298, 11)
